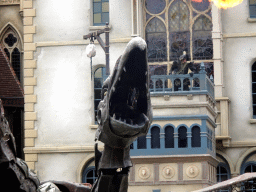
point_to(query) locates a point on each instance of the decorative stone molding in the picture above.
(192, 171)
(168, 172)
(30, 98)
(144, 172)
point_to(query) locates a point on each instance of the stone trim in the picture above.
(65, 149)
(30, 99)
(80, 42)
(238, 35)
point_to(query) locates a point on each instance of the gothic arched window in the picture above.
(179, 35)
(12, 47)
(156, 40)
(172, 27)
(155, 137)
(202, 38)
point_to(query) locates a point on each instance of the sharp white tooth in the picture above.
(114, 89)
(124, 69)
(146, 73)
(124, 120)
(146, 84)
(119, 78)
(114, 116)
(120, 119)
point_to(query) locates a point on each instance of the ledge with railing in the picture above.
(176, 84)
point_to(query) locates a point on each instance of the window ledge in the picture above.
(94, 28)
(93, 126)
(252, 121)
(251, 20)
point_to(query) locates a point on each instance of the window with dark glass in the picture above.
(142, 142)
(222, 174)
(155, 137)
(89, 173)
(169, 137)
(182, 137)
(100, 12)
(99, 78)
(202, 38)
(254, 89)
(252, 8)
(196, 137)
(249, 168)
(11, 44)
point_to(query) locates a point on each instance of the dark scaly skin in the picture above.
(124, 114)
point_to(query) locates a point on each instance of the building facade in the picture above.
(203, 124)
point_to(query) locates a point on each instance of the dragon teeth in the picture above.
(114, 116)
(124, 69)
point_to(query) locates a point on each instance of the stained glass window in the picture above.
(156, 40)
(11, 48)
(100, 12)
(202, 38)
(176, 26)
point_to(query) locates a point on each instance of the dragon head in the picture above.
(124, 112)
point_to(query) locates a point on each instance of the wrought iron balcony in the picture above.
(182, 83)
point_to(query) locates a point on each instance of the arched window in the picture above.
(156, 40)
(249, 167)
(99, 78)
(179, 34)
(182, 141)
(202, 38)
(254, 90)
(155, 137)
(196, 138)
(89, 173)
(223, 174)
(169, 137)
(142, 142)
(12, 48)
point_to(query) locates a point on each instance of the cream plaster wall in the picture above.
(239, 54)
(10, 14)
(61, 20)
(234, 20)
(59, 166)
(64, 97)
(166, 188)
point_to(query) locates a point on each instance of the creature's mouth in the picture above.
(128, 96)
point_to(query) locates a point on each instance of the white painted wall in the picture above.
(61, 20)
(235, 19)
(65, 97)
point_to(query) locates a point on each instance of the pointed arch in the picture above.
(10, 26)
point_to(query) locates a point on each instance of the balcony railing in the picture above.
(182, 83)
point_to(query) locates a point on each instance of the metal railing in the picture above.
(178, 83)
